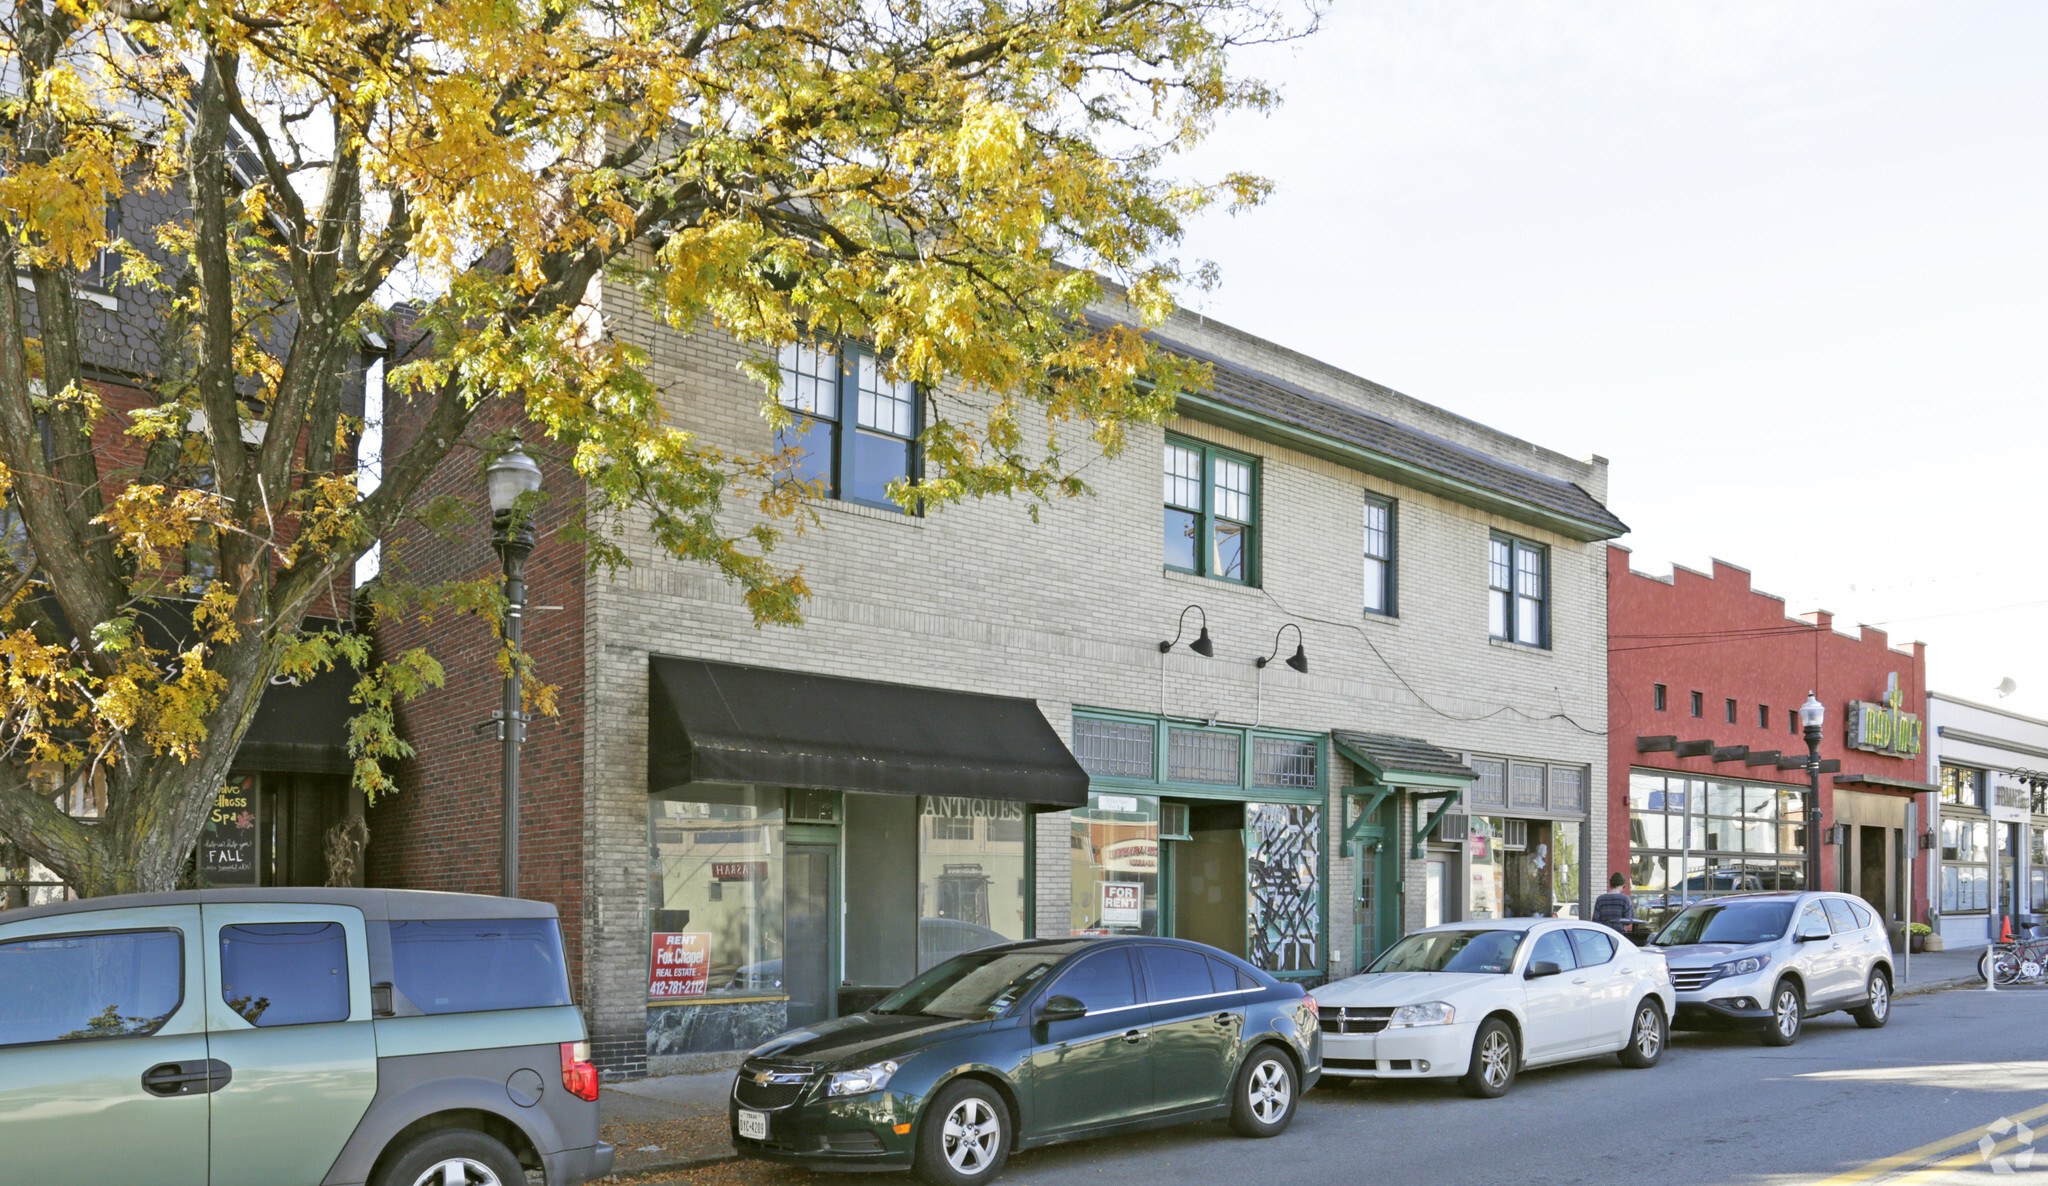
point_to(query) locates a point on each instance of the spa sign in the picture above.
(1885, 727)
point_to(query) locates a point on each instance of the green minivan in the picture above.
(292, 1037)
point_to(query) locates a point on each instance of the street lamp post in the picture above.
(1812, 715)
(513, 474)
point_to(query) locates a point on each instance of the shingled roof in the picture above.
(1414, 457)
(1387, 754)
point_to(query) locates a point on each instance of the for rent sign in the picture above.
(680, 966)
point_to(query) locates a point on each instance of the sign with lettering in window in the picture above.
(1121, 904)
(227, 845)
(680, 965)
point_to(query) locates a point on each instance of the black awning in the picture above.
(716, 722)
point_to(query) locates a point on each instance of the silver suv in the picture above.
(1769, 961)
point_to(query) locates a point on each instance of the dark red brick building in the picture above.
(1707, 760)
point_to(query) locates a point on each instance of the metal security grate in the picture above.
(1113, 749)
(1281, 762)
(1195, 756)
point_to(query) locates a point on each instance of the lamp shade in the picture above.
(511, 475)
(1202, 646)
(1812, 714)
(1299, 659)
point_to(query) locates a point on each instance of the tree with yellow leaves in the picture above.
(950, 180)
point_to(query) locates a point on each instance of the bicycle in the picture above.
(2021, 960)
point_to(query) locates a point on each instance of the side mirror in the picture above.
(1540, 969)
(1810, 936)
(1061, 1008)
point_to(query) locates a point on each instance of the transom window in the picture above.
(1519, 587)
(1962, 786)
(1379, 556)
(855, 461)
(1211, 511)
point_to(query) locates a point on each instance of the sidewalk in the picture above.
(1932, 971)
(667, 1123)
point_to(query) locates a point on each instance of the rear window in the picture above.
(479, 966)
(285, 973)
(65, 988)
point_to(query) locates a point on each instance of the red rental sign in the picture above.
(680, 965)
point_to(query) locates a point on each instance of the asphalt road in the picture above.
(1719, 1108)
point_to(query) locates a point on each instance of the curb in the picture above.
(634, 1173)
(1914, 990)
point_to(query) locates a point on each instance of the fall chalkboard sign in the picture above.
(227, 848)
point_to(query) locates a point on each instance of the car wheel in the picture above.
(1878, 1009)
(1646, 1038)
(965, 1136)
(452, 1157)
(1494, 1060)
(1788, 1011)
(1262, 1102)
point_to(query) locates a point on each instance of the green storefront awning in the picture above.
(1403, 761)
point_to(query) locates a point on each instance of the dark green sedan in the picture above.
(1026, 1044)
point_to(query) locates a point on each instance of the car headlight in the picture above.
(1744, 966)
(1427, 1013)
(869, 1078)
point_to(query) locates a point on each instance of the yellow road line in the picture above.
(1898, 1161)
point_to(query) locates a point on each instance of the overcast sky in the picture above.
(1784, 263)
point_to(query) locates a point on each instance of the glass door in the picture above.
(810, 903)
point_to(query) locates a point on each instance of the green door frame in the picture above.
(1365, 838)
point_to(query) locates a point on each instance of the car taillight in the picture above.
(579, 1074)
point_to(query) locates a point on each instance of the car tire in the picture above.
(1646, 1038)
(477, 1159)
(1262, 1100)
(1495, 1060)
(1788, 1013)
(1877, 1009)
(964, 1137)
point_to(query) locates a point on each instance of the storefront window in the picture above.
(1283, 874)
(1484, 894)
(1962, 786)
(1691, 838)
(1115, 850)
(2037, 870)
(715, 892)
(1564, 855)
(1965, 865)
(971, 884)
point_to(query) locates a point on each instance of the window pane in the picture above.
(1497, 616)
(1499, 557)
(1180, 539)
(1376, 530)
(1490, 789)
(1528, 572)
(1183, 478)
(1115, 849)
(1196, 756)
(1100, 981)
(125, 984)
(1230, 550)
(1592, 947)
(1283, 762)
(1283, 875)
(1529, 621)
(970, 887)
(1177, 973)
(462, 966)
(886, 405)
(285, 973)
(810, 380)
(1116, 749)
(715, 892)
(813, 439)
(1525, 787)
(1724, 798)
(877, 461)
(1567, 788)
(1233, 490)
(1376, 585)
(1553, 947)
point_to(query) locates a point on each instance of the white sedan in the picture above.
(1481, 1000)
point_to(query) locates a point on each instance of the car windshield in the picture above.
(1451, 951)
(977, 985)
(1727, 922)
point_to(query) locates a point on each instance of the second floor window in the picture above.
(1519, 592)
(1657, 697)
(855, 429)
(1211, 511)
(1379, 556)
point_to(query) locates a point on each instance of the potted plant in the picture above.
(1920, 936)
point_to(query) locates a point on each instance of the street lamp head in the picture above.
(1812, 714)
(511, 475)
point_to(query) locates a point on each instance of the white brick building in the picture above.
(782, 903)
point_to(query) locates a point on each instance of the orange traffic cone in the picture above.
(2005, 935)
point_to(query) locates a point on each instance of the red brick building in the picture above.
(1707, 760)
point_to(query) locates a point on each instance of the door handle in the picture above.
(1227, 1019)
(1134, 1036)
(1580, 980)
(196, 1077)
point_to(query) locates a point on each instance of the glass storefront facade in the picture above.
(1697, 837)
(1209, 834)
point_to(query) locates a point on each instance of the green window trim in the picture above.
(1245, 787)
(1211, 499)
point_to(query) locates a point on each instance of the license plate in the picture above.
(753, 1125)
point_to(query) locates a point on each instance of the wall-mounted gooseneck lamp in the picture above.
(1201, 646)
(1298, 660)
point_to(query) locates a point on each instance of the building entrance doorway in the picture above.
(1874, 877)
(1208, 877)
(810, 904)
